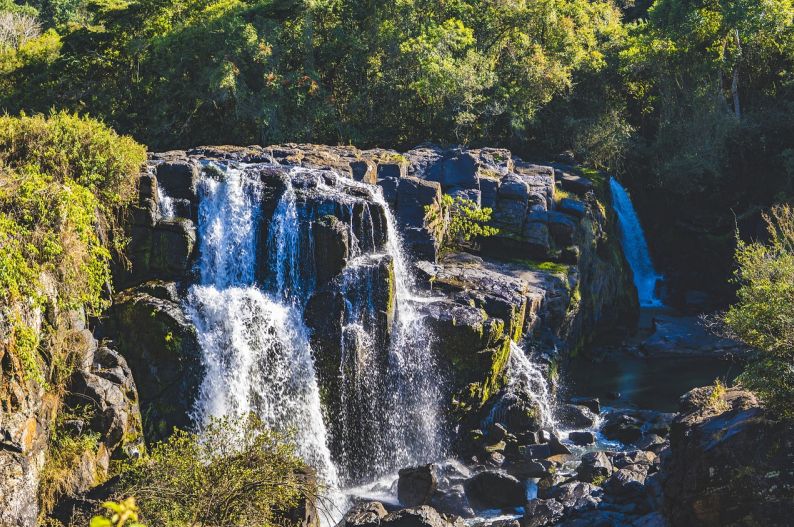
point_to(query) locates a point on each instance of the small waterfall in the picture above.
(165, 203)
(255, 349)
(635, 247)
(524, 378)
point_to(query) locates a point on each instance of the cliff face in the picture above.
(730, 463)
(553, 277)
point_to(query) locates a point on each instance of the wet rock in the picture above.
(528, 468)
(416, 485)
(576, 416)
(654, 519)
(424, 516)
(331, 247)
(178, 178)
(164, 252)
(367, 514)
(491, 489)
(594, 466)
(582, 438)
(452, 501)
(557, 448)
(540, 513)
(535, 451)
(622, 427)
(634, 457)
(591, 403)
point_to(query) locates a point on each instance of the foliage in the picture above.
(763, 317)
(119, 513)
(716, 398)
(236, 472)
(65, 452)
(61, 178)
(464, 221)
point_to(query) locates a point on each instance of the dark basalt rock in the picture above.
(491, 489)
(179, 179)
(577, 416)
(424, 516)
(367, 514)
(159, 343)
(416, 485)
(452, 501)
(729, 463)
(332, 247)
(594, 465)
(622, 427)
(582, 438)
(540, 513)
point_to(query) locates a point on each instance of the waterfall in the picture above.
(524, 378)
(635, 247)
(254, 346)
(165, 203)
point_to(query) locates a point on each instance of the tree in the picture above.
(763, 317)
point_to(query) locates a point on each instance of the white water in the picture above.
(255, 350)
(635, 247)
(255, 345)
(165, 203)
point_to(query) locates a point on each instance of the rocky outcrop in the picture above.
(730, 462)
(150, 329)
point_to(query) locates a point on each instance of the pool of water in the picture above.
(647, 383)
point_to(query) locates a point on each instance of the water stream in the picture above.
(635, 247)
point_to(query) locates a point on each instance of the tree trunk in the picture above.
(737, 109)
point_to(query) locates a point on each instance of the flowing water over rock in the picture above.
(635, 247)
(383, 409)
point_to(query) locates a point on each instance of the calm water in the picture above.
(654, 384)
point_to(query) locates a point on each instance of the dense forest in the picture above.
(689, 104)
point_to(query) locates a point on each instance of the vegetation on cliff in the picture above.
(61, 179)
(764, 315)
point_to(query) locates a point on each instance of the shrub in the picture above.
(236, 472)
(465, 221)
(62, 179)
(119, 513)
(763, 317)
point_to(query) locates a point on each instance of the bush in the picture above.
(62, 179)
(465, 221)
(763, 317)
(236, 472)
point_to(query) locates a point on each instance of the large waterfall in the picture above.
(256, 346)
(635, 247)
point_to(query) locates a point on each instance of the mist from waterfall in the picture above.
(635, 247)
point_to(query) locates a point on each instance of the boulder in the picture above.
(179, 178)
(576, 497)
(513, 188)
(540, 513)
(572, 183)
(729, 462)
(622, 427)
(562, 228)
(581, 438)
(452, 501)
(424, 516)
(576, 416)
(528, 468)
(491, 489)
(367, 514)
(628, 482)
(592, 403)
(416, 485)
(413, 195)
(594, 466)
(572, 207)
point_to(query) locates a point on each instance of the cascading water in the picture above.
(525, 378)
(165, 203)
(255, 350)
(256, 346)
(635, 247)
